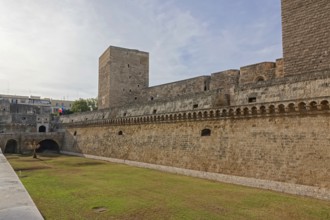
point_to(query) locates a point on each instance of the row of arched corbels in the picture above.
(285, 108)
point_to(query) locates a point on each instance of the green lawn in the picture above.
(65, 187)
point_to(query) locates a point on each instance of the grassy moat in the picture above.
(65, 187)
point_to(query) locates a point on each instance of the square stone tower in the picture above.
(123, 74)
(306, 35)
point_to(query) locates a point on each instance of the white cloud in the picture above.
(51, 48)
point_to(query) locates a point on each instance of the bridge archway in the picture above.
(48, 145)
(11, 146)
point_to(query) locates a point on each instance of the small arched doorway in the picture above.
(48, 145)
(11, 147)
(42, 128)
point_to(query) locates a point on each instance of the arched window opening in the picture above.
(313, 106)
(263, 110)
(217, 113)
(254, 110)
(238, 111)
(205, 114)
(246, 111)
(206, 132)
(302, 107)
(224, 112)
(271, 109)
(120, 132)
(231, 112)
(42, 128)
(325, 105)
(291, 107)
(281, 108)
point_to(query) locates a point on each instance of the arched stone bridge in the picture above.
(28, 141)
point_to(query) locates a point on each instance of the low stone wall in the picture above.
(15, 202)
(290, 188)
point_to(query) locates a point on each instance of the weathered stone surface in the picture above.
(306, 36)
(291, 149)
(123, 73)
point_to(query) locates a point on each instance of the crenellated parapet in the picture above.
(272, 109)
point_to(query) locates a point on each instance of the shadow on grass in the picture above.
(87, 164)
(32, 168)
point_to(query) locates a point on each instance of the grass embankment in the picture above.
(65, 187)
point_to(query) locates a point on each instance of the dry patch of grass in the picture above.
(65, 187)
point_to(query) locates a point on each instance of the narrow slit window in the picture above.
(252, 99)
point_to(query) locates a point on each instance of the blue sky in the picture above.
(51, 48)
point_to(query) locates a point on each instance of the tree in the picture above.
(84, 105)
(92, 103)
(80, 106)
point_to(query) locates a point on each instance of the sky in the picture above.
(50, 48)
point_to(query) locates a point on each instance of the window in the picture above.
(195, 106)
(120, 132)
(154, 111)
(252, 99)
(206, 132)
(74, 133)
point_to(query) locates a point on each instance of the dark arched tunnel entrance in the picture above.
(42, 128)
(11, 147)
(48, 145)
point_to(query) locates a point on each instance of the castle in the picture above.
(264, 125)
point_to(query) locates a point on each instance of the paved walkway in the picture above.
(15, 202)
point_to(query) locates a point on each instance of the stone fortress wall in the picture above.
(267, 121)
